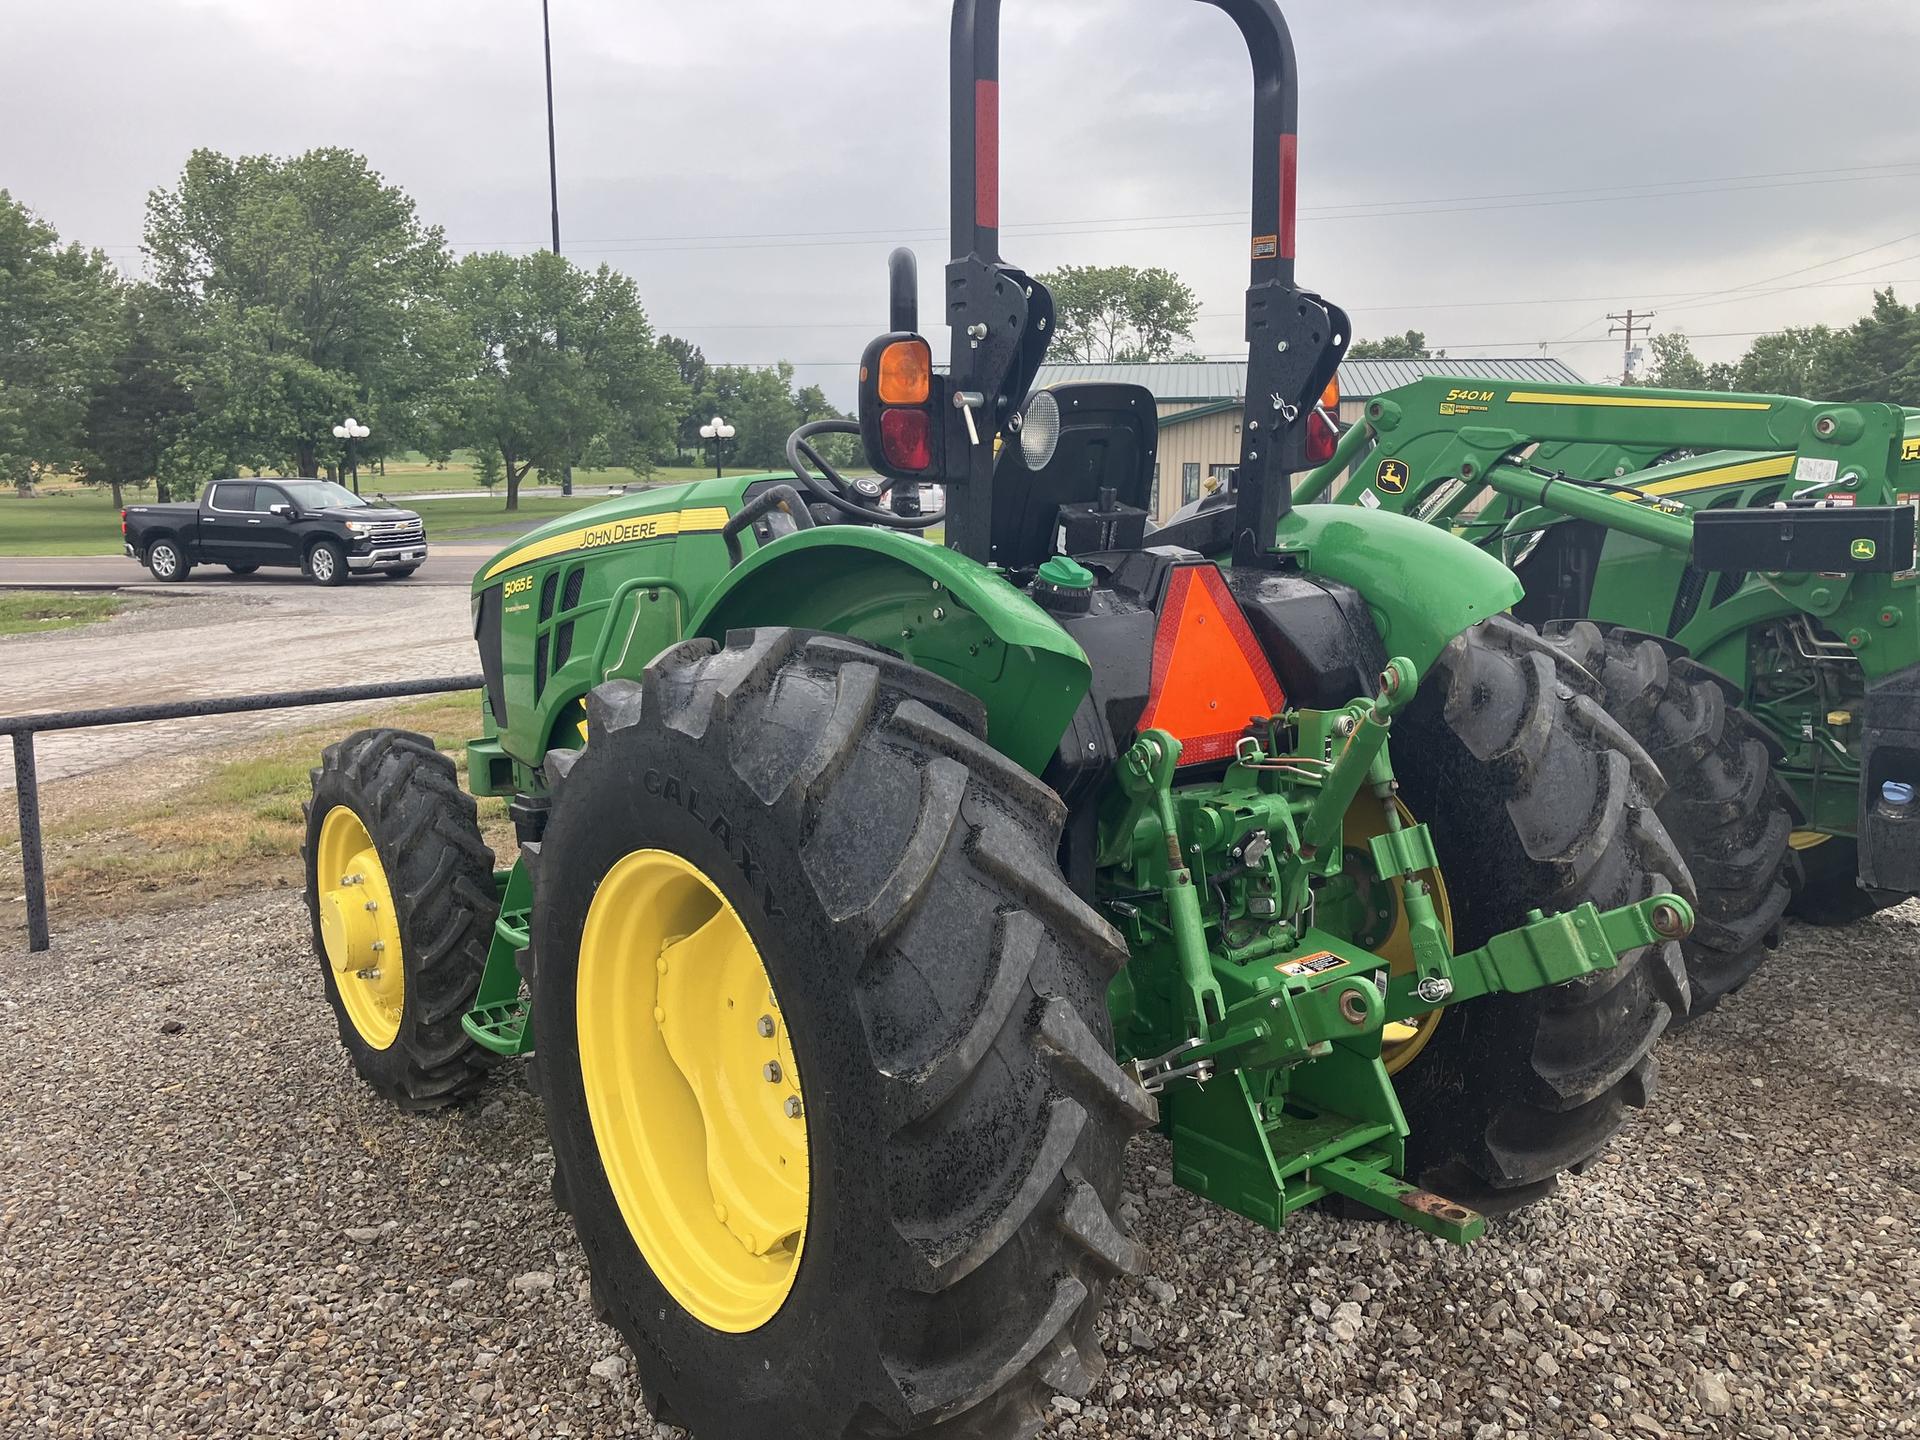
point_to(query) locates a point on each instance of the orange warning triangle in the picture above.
(1210, 678)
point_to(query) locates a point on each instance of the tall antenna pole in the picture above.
(1627, 325)
(553, 167)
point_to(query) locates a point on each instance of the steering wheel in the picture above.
(857, 499)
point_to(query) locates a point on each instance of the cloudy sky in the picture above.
(1496, 174)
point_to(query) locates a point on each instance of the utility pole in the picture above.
(553, 191)
(1627, 325)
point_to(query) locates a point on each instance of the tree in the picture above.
(140, 405)
(1785, 363)
(1410, 346)
(764, 407)
(1875, 358)
(58, 305)
(556, 357)
(1676, 367)
(1119, 312)
(312, 283)
(486, 466)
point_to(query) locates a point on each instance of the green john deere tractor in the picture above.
(872, 894)
(1739, 575)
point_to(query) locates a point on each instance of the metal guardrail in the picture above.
(23, 728)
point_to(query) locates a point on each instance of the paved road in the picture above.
(446, 565)
(230, 637)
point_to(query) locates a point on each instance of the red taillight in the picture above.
(906, 439)
(123, 522)
(1210, 677)
(1320, 438)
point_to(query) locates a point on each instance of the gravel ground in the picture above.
(210, 1230)
(190, 643)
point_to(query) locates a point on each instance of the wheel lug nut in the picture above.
(793, 1107)
(370, 973)
(373, 904)
(772, 1072)
(766, 1027)
(379, 945)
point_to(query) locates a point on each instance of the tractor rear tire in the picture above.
(1725, 808)
(439, 873)
(1535, 798)
(943, 991)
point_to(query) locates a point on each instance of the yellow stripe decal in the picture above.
(699, 519)
(1709, 479)
(1632, 402)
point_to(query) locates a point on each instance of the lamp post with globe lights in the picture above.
(351, 430)
(716, 432)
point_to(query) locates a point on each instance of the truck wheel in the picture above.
(1536, 798)
(166, 561)
(327, 564)
(400, 891)
(825, 1050)
(1828, 893)
(1725, 807)
(242, 569)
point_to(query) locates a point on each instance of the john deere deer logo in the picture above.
(1865, 549)
(1391, 477)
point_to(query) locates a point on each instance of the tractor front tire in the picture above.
(1536, 798)
(1725, 807)
(937, 996)
(423, 881)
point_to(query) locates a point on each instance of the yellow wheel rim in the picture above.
(1402, 1041)
(693, 1090)
(359, 928)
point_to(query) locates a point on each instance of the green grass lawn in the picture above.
(28, 612)
(83, 523)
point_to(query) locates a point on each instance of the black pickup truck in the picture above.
(322, 529)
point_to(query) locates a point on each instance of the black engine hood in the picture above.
(365, 514)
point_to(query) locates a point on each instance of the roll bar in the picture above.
(976, 131)
(1002, 319)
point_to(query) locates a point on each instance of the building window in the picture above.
(1220, 477)
(1153, 497)
(1189, 482)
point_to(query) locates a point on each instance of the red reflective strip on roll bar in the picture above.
(1289, 175)
(986, 153)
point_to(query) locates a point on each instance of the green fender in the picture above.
(1423, 585)
(945, 613)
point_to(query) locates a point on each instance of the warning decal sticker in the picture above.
(1316, 964)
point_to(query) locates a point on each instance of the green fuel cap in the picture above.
(1063, 572)
(1064, 586)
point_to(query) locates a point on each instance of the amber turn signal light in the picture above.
(906, 373)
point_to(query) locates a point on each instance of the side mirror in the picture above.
(282, 509)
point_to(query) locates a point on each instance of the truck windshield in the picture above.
(320, 495)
